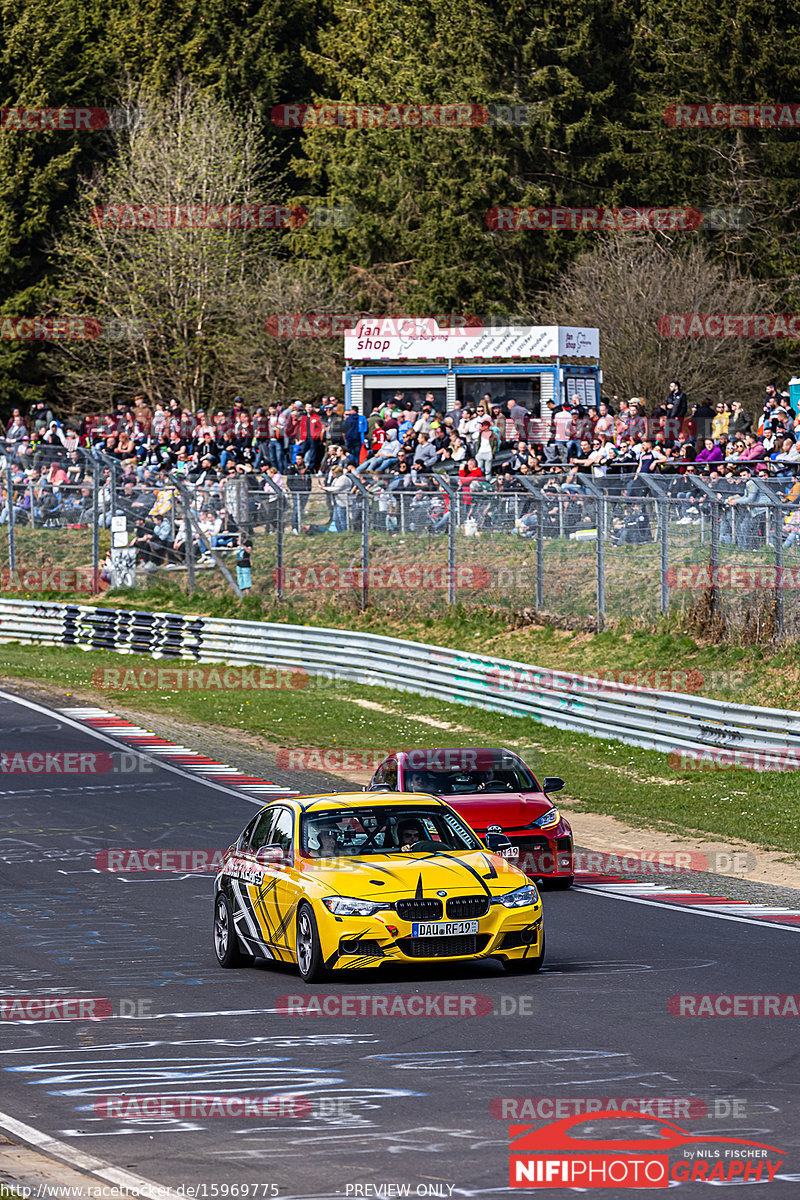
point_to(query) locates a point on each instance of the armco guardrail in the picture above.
(637, 716)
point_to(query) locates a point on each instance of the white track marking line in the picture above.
(86, 1162)
(699, 910)
(143, 753)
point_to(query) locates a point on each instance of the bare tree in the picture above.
(631, 281)
(181, 303)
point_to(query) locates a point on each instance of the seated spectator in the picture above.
(634, 529)
(467, 475)
(424, 455)
(386, 454)
(789, 451)
(753, 449)
(709, 452)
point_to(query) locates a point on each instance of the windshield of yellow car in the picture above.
(383, 830)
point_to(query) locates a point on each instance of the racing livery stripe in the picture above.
(253, 931)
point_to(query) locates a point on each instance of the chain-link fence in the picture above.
(724, 551)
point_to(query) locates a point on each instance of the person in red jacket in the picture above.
(466, 476)
(310, 432)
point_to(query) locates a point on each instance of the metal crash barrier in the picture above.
(638, 716)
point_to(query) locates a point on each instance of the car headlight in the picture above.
(546, 820)
(349, 906)
(518, 899)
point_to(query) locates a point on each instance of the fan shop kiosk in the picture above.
(527, 364)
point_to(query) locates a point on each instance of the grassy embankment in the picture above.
(635, 785)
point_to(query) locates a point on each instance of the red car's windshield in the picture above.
(463, 772)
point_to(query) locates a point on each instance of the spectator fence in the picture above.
(723, 552)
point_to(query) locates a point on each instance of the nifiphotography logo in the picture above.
(552, 1156)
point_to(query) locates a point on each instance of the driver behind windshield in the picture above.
(328, 845)
(410, 833)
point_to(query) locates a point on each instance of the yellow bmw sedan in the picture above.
(355, 880)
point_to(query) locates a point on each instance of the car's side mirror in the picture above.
(553, 783)
(267, 856)
(497, 841)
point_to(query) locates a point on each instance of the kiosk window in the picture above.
(521, 389)
(375, 397)
(582, 386)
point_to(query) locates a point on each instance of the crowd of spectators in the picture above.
(481, 446)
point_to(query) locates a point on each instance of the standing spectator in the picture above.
(353, 437)
(520, 416)
(243, 565)
(498, 423)
(565, 433)
(466, 476)
(605, 421)
(485, 447)
(292, 429)
(719, 425)
(339, 488)
(740, 422)
(676, 402)
(298, 482)
(262, 436)
(703, 416)
(311, 434)
(648, 461)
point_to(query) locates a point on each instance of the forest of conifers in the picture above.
(596, 77)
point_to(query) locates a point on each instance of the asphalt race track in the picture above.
(400, 1101)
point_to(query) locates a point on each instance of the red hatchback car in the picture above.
(495, 792)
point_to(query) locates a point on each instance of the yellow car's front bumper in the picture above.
(353, 942)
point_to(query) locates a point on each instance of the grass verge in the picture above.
(665, 657)
(637, 786)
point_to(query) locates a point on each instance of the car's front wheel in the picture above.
(226, 943)
(526, 966)
(309, 953)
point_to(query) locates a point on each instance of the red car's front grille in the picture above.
(536, 855)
